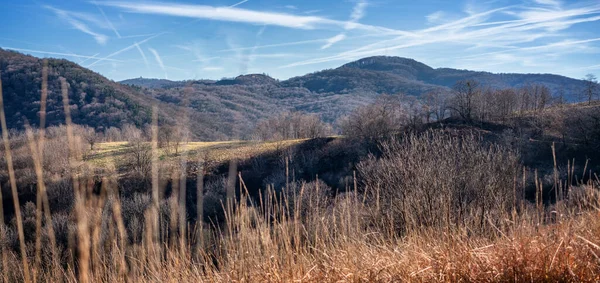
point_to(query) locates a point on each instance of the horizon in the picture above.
(224, 39)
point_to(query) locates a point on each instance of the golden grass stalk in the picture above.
(14, 191)
(42, 197)
(80, 210)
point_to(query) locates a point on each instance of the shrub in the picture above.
(437, 180)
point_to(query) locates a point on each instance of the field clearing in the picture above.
(110, 154)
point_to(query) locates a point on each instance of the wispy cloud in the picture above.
(357, 13)
(86, 59)
(110, 24)
(159, 61)
(528, 24)
(334, 40)
(207, 59)
(239, 3)
(123, 50)
(435, 17)
(230, 14)
(55, 53)
(212, 69)
(142, 54)
(301, 42)
(551, 3)
(234, 14)
(70, 18)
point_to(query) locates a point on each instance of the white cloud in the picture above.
(122, 50)
(212, 69)
(70, 18)
(334, 40)
(357, 14)
(359, 11)
(230, 14)
(108, 22)
(436, 17)
(528, 24)
(207, 59)
(142, 54)
(233, 14)
(55, 53)
(239, 3)
(159, 61)
(552, 3)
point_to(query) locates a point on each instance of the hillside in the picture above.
(390, 75)
(230, 108)
(95, 100)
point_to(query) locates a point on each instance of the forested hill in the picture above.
(390, 75)
(95, 100)
(230, 108)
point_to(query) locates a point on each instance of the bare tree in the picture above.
(374, 121)
(505, 103)
(591, 87)
(113, 134)
(464, 101)
(139, 156)
(90, 136)
(435, 105)
(130, 132)
(292, 125)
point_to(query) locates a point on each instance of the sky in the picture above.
(214, 39)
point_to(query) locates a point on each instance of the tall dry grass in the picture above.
(433, 231)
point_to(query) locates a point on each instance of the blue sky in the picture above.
(213, 39)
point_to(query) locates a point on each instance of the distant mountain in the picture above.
(392, 75)
(229, 108)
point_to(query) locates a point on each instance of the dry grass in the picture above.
(253, 249)
(277, 238)
(107, 154)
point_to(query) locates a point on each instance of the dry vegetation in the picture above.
(429, 205)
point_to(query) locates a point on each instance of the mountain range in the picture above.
(229, 108)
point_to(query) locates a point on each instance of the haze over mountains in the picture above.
(229, 108)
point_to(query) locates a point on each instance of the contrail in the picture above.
(142, 53)
(123, 50)
(93, 57)
(107, 20)
(159, 61)
(239, 3)
(57, 53)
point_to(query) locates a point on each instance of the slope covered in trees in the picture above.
(231, 108)
(395, 74)
(95, 101)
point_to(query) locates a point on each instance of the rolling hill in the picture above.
(229, 108)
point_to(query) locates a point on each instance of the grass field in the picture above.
(109, 153)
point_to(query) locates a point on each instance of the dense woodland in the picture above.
(438, 170)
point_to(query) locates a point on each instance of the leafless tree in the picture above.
(292, 125)
(591, 87)
(131, 133)
(380, 119)
(139, 156)
(113, 134)
(90, 136)
(464, 101)
(435, 105)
